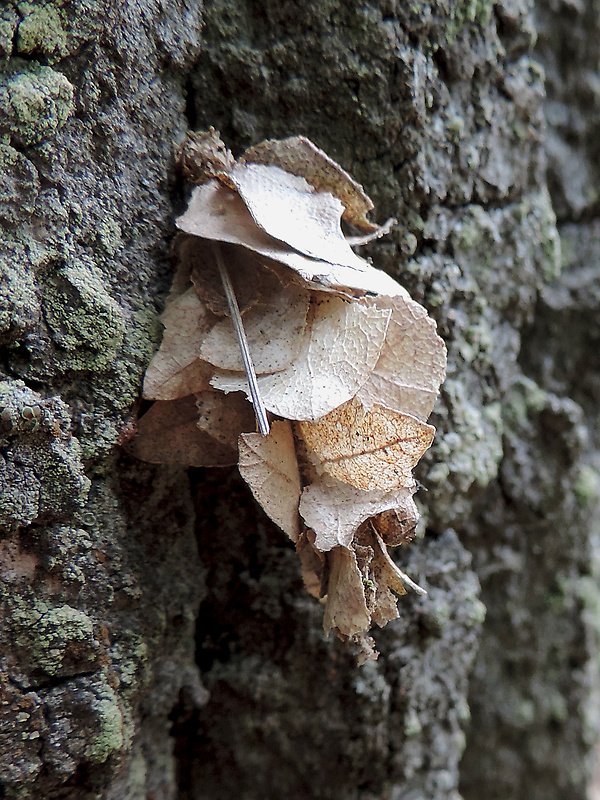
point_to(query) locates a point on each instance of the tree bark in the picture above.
(157, 641)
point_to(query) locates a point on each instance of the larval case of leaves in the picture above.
(348, 367)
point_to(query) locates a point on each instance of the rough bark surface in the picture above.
(156, 639)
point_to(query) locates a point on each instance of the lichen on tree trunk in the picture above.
(105, 646)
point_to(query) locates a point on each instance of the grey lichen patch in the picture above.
(68, 556)
(86, 323)
(22, 722)
(113, 731)
(9, 20)
(116, 389)
(35, 102)
(86, 722)
(56, 641)
(467, 456)
(19, 185)
(509, 251)
(41, 474)
(41, 31)
(587, 486)
(19, 302)
(525, 401)
(555, 425)
(130, 659)
(466, 15)
(110, 235)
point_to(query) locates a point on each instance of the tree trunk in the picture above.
(157, 641)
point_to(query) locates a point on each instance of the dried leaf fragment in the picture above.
(274, 328)
(328, 341)
(203, 155)
(176, 370)
(397, 525)
(224, 418)
(315, 568)
(346, 611)
(375, 449)
(218, 213)
(335, 510)
(288, 209)
(299, 156)
(268, 465)
(412, 363)
(168, 434)
(340, 347)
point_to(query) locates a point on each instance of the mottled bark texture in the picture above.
(126, 589)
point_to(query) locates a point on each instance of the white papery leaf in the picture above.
(340, 347)
(274, 328)
(176, 370)
(216, 212)
(412, 363)
(334, 510)
(268, 465)
(299, 156)
(288, 209)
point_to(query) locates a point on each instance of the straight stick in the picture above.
(260, 412)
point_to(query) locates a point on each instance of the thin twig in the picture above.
(383, 230)
(260, 411)
(402, 575)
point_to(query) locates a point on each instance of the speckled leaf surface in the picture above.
(439, 110)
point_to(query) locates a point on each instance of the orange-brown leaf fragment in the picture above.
(379, 578)
(388, 574)
(268, 465)
(375, 449)
(397, 526)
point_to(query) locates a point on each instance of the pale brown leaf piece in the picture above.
(288, 209)
(274, 326)
(203, 155)
(314, 565)
(176, 369)
(168, 434)
(369, 449)
(299, 156)
(346, 610)
(380, 578)
(344, 368)
(335, 510)
(412, 363)
(397, 525)
(224, 419)
(217, 213)
(340, 347)
(268, 465)
(362, 587)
